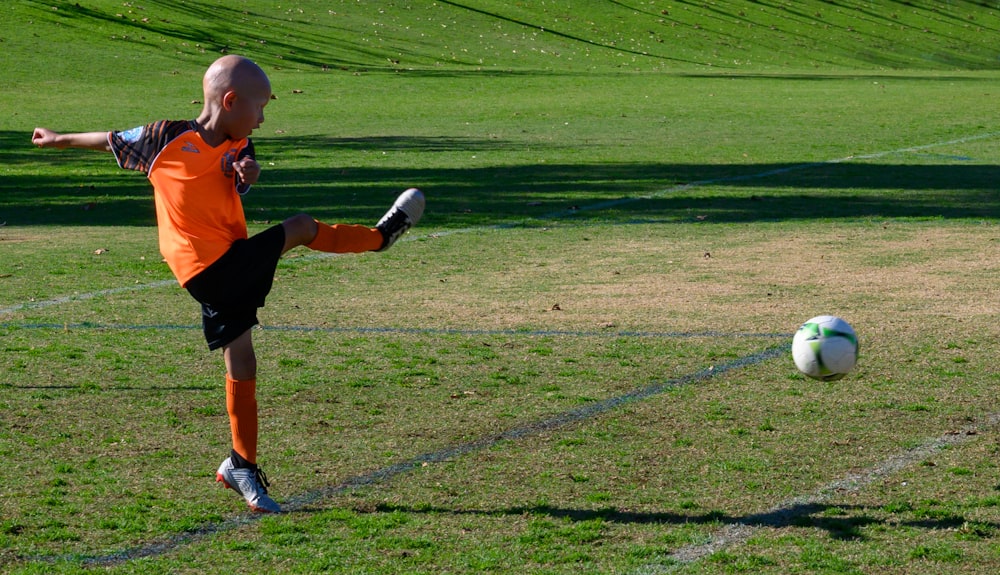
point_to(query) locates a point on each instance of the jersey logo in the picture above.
(227, 163)
(132, 136)
(189, 147)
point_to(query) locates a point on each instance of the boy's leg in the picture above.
(241, 395)
(240, 471)
(230, 291)
(345, 239)
(406, 211)
(302, 230)
(299, 231)
(241, 360)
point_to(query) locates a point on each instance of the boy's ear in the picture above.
(227, 100)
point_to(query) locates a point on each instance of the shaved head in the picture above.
(236, 91)
(234, 74)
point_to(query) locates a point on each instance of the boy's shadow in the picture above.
(837, 520)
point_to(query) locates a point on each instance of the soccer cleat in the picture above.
(403, 215)
(250, 482)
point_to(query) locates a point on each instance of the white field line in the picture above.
(783, 514)
(81, 297)
(563, 213)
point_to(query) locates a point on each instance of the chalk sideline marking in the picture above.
(410, 330)
(82, 297)
(783, 513)
(552, 215)
(300, 502)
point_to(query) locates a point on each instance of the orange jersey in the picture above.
(197, 193)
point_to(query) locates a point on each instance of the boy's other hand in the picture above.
(248, 170)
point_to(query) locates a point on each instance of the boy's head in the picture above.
(236, 91)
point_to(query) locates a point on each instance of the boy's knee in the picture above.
(299, 230)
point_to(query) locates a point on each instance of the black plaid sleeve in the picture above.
(136, 149)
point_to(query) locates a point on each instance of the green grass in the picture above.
(620, 196)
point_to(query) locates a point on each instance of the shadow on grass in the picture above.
(78, 187)
(838, 520)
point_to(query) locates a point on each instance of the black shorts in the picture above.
(235, 285)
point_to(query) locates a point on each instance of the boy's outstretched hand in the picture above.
(45, 138)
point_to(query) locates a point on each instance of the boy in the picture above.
(199, 169)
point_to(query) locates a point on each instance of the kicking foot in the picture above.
(403, 215)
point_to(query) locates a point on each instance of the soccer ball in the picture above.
(825, 348)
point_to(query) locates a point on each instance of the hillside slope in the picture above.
(499, 36)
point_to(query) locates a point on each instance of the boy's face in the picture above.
(245, 109)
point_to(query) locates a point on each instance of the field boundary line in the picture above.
(83, 297)
(552, 215)
(299, 502)
(785, 512)
(410, 330)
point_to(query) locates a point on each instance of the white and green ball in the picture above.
(825, 348)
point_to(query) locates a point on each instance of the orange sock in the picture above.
(241, 403)
(345, 238)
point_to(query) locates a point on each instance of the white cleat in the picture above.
(405, 212)
(250, 482)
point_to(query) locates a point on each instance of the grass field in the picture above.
(579, 361)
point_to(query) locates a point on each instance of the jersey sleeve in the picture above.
(246, 152)
(136, 149)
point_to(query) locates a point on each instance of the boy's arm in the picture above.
(45, 138)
